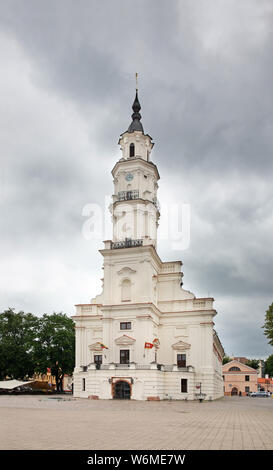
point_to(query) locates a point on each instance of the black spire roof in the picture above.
(136, 116)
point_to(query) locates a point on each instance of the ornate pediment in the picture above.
(125, 340)
(126, 271)
(181, 346)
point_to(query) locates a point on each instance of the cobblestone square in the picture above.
(67, 423)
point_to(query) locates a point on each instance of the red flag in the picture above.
(148, 346)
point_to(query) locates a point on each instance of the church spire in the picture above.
(136, 125)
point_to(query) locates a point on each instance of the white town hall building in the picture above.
(144, 337)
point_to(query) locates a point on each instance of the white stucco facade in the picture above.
(143, 303)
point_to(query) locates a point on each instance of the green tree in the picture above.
(226, 359)
(254, 363)
(56, 346)
(269, 366)
(18, 335)
(268, 325)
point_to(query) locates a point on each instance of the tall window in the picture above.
(247, 378)
(124, 356)
(126, 290)
(132, 150)
(83, 385)
(184, 385)
(181, 360)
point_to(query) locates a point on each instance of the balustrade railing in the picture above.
(128, 195)
(164, 368)
(127, 243)
(134, 194)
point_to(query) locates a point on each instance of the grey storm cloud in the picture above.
(205, 88)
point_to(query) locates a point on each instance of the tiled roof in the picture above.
(265, 381)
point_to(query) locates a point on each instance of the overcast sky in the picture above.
(205, 87)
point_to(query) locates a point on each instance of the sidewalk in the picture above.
(64, 422)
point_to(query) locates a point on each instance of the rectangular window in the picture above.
(246, 389)
(124, 356)
(184, 385)
(126, 325)
(83, 385)
(247, 378)
(98, 359)
(181, 360)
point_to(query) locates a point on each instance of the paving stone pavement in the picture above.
(68, 423)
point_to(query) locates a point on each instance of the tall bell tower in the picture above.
(143, 337)
(135, 209)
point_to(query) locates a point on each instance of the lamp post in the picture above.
(200, 395)
(201, 398)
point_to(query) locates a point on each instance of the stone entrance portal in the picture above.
(122, 390)
(234, 391)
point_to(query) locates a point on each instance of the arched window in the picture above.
(234, 369)
(132, 150)
(126, 290)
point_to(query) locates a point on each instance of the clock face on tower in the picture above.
(129, 177)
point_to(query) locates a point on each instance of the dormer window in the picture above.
(132, 150)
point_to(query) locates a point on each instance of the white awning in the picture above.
(10, 384)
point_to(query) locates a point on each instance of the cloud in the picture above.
(206, 91)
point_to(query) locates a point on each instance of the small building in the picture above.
(239, 379)
(265, 384)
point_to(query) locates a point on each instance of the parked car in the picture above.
(260, 394)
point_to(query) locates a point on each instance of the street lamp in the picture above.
(201, 396)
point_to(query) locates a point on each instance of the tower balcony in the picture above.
(134, 194)
(128, 195)
(127, 243)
